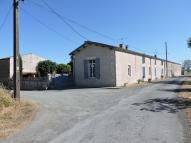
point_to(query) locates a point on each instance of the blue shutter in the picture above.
(85, 69)
(97, 68)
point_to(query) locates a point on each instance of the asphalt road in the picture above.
(147, 114)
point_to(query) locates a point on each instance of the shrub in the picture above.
(71, 66)
(21, 65)
(5, 98)
(139, 81)
(46, 67)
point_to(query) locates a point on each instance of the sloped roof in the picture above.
(22, 56)
(86, 43)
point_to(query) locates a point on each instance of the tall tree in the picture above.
(187, 65)
(189, 43)
(46, 67)
(21, 65)
(63, 68)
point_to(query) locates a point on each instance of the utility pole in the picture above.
(16, 82)
(166, 47)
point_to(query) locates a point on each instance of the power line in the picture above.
(37, 4)
(45, 25)
(6, 17)
(80, 25)
(83, 26)
(91, 30)
(50, 9)
(63, 20)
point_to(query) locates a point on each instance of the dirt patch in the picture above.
(14, 115)
(14, 118)
(186, 95)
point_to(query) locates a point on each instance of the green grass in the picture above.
(187, 82)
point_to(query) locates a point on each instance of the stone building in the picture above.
(97, 64)
(30, 62)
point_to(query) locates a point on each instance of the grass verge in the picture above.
(14, 115)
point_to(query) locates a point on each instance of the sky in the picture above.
(144, 25)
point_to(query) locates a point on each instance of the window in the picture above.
(143, 60)
(162, 63)
(149, 70)
(129, 70)
(143, 70)
(162, 71)
(92, 68)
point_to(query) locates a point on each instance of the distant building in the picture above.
(186, 72)
(97, 64)
(30, 62)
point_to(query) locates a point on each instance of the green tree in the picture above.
(46, 67)
(63, 68)
(187, 65)
(21, 65)
(189, 43)
(71, 66)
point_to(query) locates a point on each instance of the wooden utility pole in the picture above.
(166, 47)
(16, 82)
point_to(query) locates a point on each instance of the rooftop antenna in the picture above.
(155, 52)
(122, 40)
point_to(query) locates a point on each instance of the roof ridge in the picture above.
(119, 49)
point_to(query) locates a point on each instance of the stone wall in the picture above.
(107, 67)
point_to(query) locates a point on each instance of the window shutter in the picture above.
(143, 70)
(85, 69)
(97, 69)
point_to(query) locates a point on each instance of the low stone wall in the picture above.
(58, 82)
(35, 84)
(61, 82)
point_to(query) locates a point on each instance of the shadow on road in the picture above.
(177, 90)
(175, 81)
(171, 105)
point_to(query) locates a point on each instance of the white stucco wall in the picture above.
(122, 62)
(107, 66)
(159, 67)
(174, 69)
(114, 67)
(125, 59)
(30, 61)
(11, 68)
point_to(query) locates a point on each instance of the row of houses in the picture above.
(97, 64)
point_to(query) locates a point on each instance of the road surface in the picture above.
(148, 114)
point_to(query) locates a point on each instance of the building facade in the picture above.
(30, 62)
(96, 65)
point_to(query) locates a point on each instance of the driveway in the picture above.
(149, 114)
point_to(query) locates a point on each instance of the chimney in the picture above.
(120, 45)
